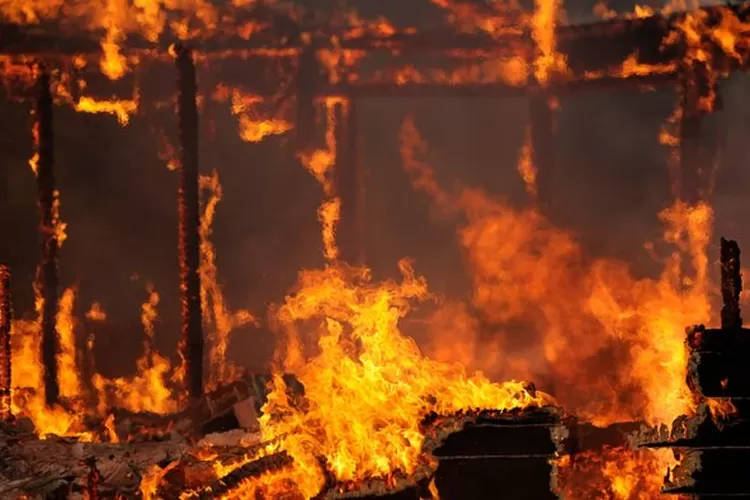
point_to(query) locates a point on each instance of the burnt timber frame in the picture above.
(592, 49)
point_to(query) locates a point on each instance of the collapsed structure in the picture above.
(603, 56)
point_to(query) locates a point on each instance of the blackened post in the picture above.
(731, 284)
(189, 222)
(697, 153)
(47, 278)
(307, 79)
(542, 117)
(348, 182)
(358, 189)
(5, 352)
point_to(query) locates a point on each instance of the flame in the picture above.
(433, 490)
(147, 390)
(548, 61)
(253, 127)
(28, 383)
(603, 11)
(109, 426)
(615, 473)
(343, 342)
(366, 367)
(96, 313)
(122, 109)
(320, 164)
(526, 272)
(67, 365)
(221, 321)
(526, 166)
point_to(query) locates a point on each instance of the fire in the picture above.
(320, 164)
(253, 126)
(215, 311)
(618, 474)
(147, 390)
(365, 367)
(548, 61)
(96, 313)
(27, 376)
(367, 386)
(68, 377)
(122, 109)
(109, 426)
(527, 272)
(526, 166)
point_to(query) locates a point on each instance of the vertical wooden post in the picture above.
(697, 153)
(189, 222)
(307, 80)
(47, 278)
(542, 119)
(349, 183)
(5, 349)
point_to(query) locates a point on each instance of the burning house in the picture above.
(637, 398)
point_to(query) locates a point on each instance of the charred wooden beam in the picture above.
(589, 46)
(349, 182)
(47, 273)
(731, 284)
(699, 97)
(5, 349)
(189, 222)
(494, 89)
(308, 77)
(699, 431)
(542, 122)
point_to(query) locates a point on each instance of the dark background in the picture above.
(119, 199)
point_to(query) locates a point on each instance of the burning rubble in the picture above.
(352, 406)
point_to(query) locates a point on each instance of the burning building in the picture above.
(632, 397)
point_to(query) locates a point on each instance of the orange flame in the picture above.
(147, 390)
(365, 366)
(68, 370)
(253, 127)
(524, 270)
(526, 166)
(218, 317)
